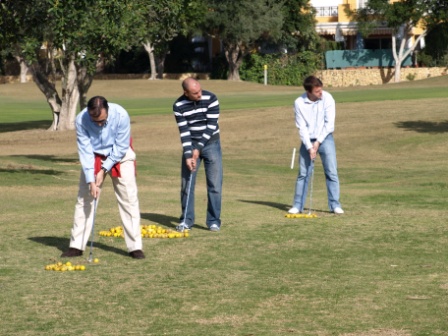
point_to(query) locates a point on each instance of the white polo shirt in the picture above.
(314, 119)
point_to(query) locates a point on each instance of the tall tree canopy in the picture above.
(240, 24)
(299, 25)
(156, 23)
(401, 16)
(64, 38)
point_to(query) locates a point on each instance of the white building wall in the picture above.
(325, 3)
(362, 3)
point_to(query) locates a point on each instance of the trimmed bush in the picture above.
(283, 69)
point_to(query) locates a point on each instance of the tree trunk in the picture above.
(23, 69)
(84, 82)
(150, 50)
(70, 98)
(397, 58)
(64, 110)
(402, 54)
(234, 56)
(160, 65)
(49, 90)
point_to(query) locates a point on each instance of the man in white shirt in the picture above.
(315, 114)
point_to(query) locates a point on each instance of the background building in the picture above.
(334, 24)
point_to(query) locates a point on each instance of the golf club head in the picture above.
(90, 258)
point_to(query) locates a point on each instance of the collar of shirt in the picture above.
(102, 138)
(309, 101)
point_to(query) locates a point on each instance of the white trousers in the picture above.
(125, 188)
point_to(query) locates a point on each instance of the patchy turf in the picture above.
(380, 269)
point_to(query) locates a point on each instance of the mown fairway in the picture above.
(380, 269)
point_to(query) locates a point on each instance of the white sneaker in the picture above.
(338, 211)
(293, 210)
(182, 227)
(214, 227)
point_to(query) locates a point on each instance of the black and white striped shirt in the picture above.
(197, 121)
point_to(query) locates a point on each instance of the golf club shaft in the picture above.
(92, 232)
(190, 178)
(293, 158)
(311, 186)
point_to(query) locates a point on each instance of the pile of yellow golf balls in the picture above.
(113, 232)
(301, 215)
(147, 231)
(61, 267)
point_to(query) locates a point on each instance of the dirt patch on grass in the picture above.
(380, 332)
(444, 286)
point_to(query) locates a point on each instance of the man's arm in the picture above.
(212, 115)
(85, 151)
(329, 106)
(122, 140)
(302, 124)
(184, 129)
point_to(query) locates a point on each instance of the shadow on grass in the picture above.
(280, 206)
(168, 221)
(422, 126)
(24, 126)
(30, 170)
(51, 158)
(283, 207)
(62, 244)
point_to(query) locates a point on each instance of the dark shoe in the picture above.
(72, 252)
(137, 254)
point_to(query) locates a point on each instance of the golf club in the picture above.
(311, 187)
(188, 193)
(92, 232)
(293, 158)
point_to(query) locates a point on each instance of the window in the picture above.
(377, 43)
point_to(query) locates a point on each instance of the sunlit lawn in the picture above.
(380, 269)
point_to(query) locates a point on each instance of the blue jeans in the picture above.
(327, 153)
(212, 157)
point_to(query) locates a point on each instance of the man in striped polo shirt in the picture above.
(197, 113)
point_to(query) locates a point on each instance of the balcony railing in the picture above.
(327, 11)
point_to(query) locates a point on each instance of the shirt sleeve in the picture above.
(184, 130)
(329, 107)
(122, 141)
(212, 115)
(302, 125)
(85, 151)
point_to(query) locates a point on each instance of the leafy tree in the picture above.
(7, 19)
(240, 25)
(401, 16)
(72, 34)
(298, 30)
(436, 50)
(158, 22)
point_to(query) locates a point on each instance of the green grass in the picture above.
(247, 96)
(380, 269)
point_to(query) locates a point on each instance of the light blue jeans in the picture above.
(212, 156)
(327, 153)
